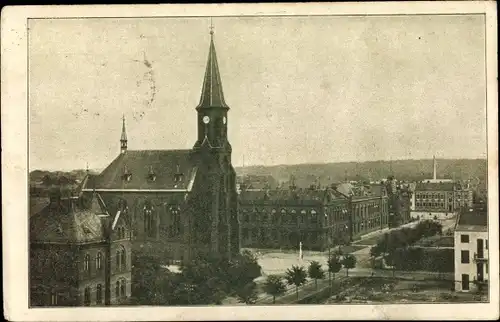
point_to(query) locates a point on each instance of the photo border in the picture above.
(15, 163)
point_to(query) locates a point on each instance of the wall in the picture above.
(471, 267)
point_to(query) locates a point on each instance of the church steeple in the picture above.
(212, 94)
(123, 139)
(212, 109)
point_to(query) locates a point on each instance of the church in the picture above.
(179, 203)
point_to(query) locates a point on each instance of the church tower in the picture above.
(213, 151)
(212, 110)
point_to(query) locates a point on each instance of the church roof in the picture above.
(68, 221)
(212, 94)
(148, 169)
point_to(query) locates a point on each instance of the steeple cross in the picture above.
(211, 26)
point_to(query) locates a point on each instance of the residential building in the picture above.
(471, 251)
(80, 253)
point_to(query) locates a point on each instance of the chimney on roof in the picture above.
(435, 167)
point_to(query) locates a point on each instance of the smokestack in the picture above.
(434, 163)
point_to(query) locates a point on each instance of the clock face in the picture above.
(224, 120)
(206, 119)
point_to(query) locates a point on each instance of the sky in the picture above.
(301, 89)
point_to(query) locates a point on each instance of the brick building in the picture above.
(448, 197)
(80, 253)
(179, 202)
(317, 217)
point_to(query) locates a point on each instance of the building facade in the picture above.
(180, 202)
(471, 251)
(80, 254)
(447, 197)
(319, 218)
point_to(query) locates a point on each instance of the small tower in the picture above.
(123, 139)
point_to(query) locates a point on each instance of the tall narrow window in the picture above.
(98, 294)
(123, 259)
(118, 255)
(98, 261)
(86, 296)
(53, 298)
(123, 287)
(86, 263)
(117, 289)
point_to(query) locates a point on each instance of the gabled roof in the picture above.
(171, 169)
(212, 94)
(68, 221)
(318, 196)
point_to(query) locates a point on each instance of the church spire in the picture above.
(123, 139)
(211, 93)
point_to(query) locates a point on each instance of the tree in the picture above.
(274, 286)
(247, 294)
(296, 276)
(315, 272)
(349, 262)
(334, 266)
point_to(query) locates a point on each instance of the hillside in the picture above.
(407, 170)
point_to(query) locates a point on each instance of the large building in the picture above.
(471, 251)
(318, 217)
(179, 202)
(80, 253)
(435, 195)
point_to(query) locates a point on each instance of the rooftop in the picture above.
(472, 220)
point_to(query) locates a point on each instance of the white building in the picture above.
(471, 251)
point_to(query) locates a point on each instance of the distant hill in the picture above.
(407, 170)
(63, 178)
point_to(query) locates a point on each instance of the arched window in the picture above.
(98, 261)
(118, 255)
(98, 294)
(123, 259)
(86, 296)
(123, 288)
(86, 263)
(117, 289)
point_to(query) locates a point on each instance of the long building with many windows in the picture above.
(317, 217)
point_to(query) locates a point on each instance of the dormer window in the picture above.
(179, 176)
(127, 175)
(151, 174)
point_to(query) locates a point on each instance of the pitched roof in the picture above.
(287, 195)
(434, 186)
(212, 94)
(148, 169)
(472, 221)
(68, 221)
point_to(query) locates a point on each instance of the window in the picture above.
(86, 263)
(486, 243)
(465, 282)
(123, 288)
(117, 259)
(98, 262)
(465, 257)
(53, 298)
(117, 289)
(86, 297)
(464, 238)
(123, 259)
(98, 294)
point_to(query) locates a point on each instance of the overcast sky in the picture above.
(300, 89)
